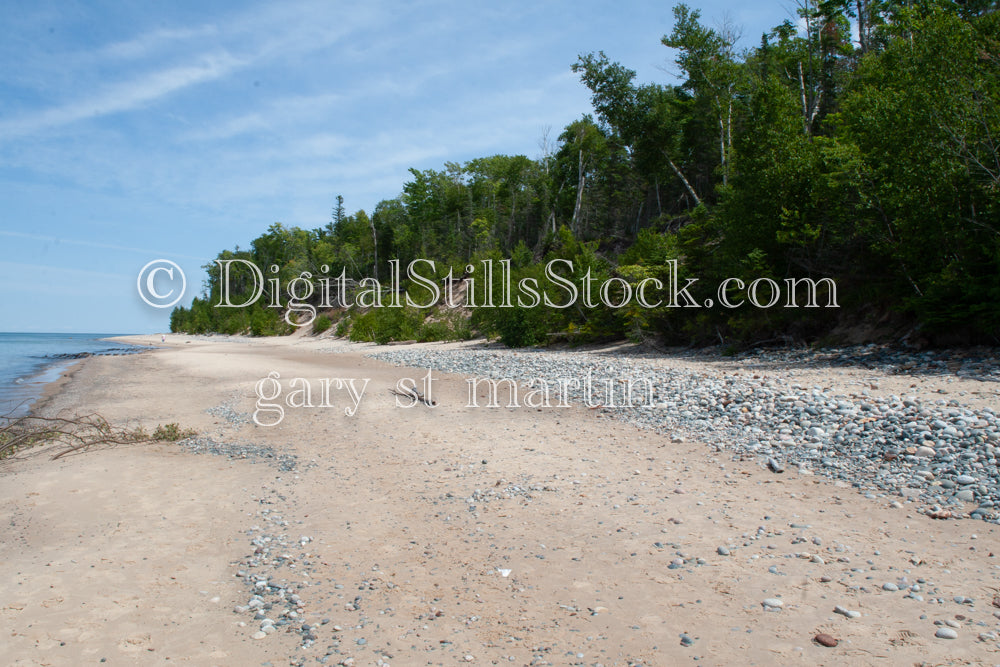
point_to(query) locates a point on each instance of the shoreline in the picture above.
(35, 389)
(396, 526)
(53, 388)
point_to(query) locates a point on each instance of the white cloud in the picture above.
(123, 96)
(146, 43)
(93, 244)
(32, 271)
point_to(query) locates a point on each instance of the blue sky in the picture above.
(136, 131)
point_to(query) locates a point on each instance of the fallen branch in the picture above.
(414, 395)
(78, 433)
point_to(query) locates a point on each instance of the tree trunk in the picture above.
(863, 25)
(680, 175)
(513, 212)
(581, 181)
(659, 206)
(371, 223)
(722, 143)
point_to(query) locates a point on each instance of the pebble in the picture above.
(881, 445)
(260, 634)
(774, 603)
(946, 633)
(846, 612)
(824, 639)
(722, 551)
(234, 450)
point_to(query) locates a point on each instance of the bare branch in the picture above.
(76, 433)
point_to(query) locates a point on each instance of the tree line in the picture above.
(860, 145)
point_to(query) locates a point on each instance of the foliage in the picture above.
(343, 326)
(172, 432)
(75, 434)
(870, 161)
(321, 324)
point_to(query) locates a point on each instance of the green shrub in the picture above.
(321, 324)
(433, 331)
(382, 325)
(172, 432)
(343, 326)
(521, 327)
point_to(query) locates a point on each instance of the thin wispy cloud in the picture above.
(191, 129)
(124, 96)
(293, 112)
(153, 41)
(26, 269)
(93, 244)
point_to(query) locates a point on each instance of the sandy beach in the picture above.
(370, 532)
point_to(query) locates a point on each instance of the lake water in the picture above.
(28, 361)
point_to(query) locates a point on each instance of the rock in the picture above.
(824, 639)
(686, 640)
(965, 480)
(891, 587)
(259, 634)
(966, 495)
(774, 466)
(773, 603)
(925, 452)
(846, 612)
(946, 633)
(722, 551)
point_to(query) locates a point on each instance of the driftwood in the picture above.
(413, 394)
(76, 433)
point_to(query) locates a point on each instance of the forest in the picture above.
(858, 148)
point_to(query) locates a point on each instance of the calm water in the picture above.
(30, 360)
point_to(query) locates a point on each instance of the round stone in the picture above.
(824, 639)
